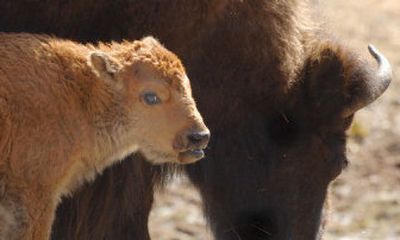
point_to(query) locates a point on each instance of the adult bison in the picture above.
(277, 94)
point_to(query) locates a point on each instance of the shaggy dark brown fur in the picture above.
(271, 88)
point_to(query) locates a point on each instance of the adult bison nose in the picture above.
(198, 140)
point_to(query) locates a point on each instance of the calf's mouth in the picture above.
(191, 155)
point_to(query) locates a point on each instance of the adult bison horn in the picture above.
(374, 86)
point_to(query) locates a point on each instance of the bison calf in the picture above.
(67, 111)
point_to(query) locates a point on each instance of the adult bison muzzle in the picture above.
(277, 94)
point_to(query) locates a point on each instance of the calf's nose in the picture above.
(198, 139)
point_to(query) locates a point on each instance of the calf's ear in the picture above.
(151, 41)
(103, 65)
(338, 81)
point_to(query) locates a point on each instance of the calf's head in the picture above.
(158, 112)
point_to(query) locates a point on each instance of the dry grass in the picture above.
(366, 197)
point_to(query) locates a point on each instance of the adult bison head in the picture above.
(273, 179)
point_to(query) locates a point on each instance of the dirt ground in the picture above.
(366, 197)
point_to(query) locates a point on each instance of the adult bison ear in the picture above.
(103, 65)
(338, 81)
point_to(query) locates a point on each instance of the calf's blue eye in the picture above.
(151, 98)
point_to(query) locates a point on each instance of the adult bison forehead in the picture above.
(278, 162)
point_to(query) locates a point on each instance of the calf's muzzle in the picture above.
(192, 144)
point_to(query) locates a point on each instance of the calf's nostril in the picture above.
(198, 138)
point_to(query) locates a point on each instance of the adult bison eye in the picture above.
(150, 98)
(283, 129)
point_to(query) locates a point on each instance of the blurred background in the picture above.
(365, 199)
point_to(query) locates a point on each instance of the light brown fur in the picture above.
(67, 111)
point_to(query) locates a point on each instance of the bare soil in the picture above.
(365, 199)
